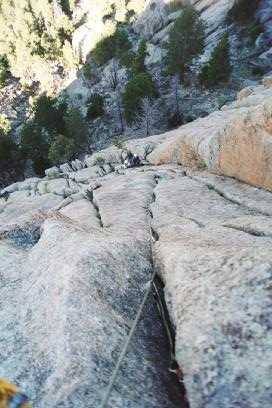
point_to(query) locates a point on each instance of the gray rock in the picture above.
(66, 168)
(77, 165)
(214, 255)
(86, 277)
(53, 172)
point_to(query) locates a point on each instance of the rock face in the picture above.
(74, 271)
(71, 294)
(78, 248)
(214, 254)
(235, 141)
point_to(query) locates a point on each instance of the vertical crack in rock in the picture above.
(91, 198)
(159, 297)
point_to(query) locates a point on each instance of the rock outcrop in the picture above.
(235, 141)
(78, 247)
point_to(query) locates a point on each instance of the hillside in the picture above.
(78, 248)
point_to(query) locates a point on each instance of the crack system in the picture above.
(232, 200)
(91, 198)
(159, 297)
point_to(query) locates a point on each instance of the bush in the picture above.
(186, 41)
(96, 107)
(243, 11)
(99, 161)
(139, 87)
(118, 142)
(61, 149)
(218, 69)
(112, 46)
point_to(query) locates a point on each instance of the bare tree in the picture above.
(115, 86)
(176, 88)
(148, 118)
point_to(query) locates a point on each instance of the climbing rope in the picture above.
(126, 345)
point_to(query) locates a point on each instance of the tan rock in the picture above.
(236, 142)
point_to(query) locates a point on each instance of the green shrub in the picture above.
(112, 46)
(99, 161)
(243, 11)
(140, 86)
(96, 107)
(104, 50)
(218, 68)
(186, 41)
(118, 142)
(61, 150)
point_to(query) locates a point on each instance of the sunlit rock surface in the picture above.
(78, 247)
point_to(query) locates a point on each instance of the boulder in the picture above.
(53, 172)
(66, 168)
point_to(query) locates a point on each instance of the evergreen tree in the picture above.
(115, 45)
(76, 127)
(35, 146)
(218, 68)
(139, 87)
(186, 41)
(138, 64)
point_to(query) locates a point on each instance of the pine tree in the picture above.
(218, 68)
(186, 41)
(139, 87)
(138, 64)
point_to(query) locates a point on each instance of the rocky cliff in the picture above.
(78, 248)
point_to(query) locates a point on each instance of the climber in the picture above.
(132, 160)
(5, 195)
(11, 396)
